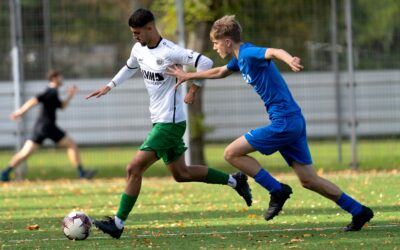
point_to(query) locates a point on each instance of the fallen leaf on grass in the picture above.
(33, 227)
(296, 240)
(251, 216)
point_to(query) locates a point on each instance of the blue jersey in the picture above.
(266, 80)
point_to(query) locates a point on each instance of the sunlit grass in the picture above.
(51, 163)
(169, 215)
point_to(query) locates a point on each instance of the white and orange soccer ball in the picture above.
(76, 225)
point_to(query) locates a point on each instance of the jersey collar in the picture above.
(156, 44)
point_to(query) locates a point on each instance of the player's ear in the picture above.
(228, 42)
(150, 26)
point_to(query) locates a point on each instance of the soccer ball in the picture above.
(76, 225)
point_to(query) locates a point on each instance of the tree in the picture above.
(199, 16)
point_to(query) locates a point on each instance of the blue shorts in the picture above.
(286, 135)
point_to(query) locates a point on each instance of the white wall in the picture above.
(231, 107)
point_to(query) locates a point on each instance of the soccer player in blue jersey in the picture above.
(287, 131)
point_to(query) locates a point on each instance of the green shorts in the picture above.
(166, 140)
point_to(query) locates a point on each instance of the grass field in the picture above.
(200, 216)
(50, 163)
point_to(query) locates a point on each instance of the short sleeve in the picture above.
(256, 53)
(132, 62)
(233, 65)
(185, 56)
(42, 96)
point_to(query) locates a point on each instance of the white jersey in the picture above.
(166, 103)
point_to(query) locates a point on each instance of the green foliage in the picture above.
(296, 26)
(378, 22)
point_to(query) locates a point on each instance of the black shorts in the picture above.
(43, 131)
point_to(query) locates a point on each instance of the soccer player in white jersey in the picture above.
(153, 54)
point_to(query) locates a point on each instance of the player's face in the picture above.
(59, 80)
(221, 46)
(141, 34)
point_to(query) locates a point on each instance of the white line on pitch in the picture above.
(158, 235)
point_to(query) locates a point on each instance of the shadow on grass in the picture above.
(51, 227)
(219, 215)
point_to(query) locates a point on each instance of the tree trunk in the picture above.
(198, 40)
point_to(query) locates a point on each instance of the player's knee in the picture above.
(72, 146)
(229, 155)
(133, 170)
(309, 183)
(181, 176)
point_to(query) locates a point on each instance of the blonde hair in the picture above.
(226, 26)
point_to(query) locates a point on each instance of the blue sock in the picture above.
(267, 181)
(8, 170)
(81, 172)
(349, 204)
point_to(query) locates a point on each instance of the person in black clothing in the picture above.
(45, 126)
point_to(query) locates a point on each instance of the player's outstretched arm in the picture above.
(293, 62)
(24, 108)
(182, 76)
(123, 74)
(100, 92)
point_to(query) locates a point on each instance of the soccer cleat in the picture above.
(5, 177)
(242, 187)
(277, 201)
(108, 226)
(359, 220)
(88, 174)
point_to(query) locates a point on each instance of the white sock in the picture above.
(118, 222)
(232, 181)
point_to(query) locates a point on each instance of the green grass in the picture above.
(200, 216)
(50, 163)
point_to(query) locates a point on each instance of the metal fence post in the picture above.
(352, 96)
(181, 41)
(335, 71)
(17, 74)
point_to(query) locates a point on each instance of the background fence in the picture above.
(90, 40)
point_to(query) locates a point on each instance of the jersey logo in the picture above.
(247, 78)
(190, 56)
(160, 61)
(152, 76)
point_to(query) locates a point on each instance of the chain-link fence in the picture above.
(90, 40)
